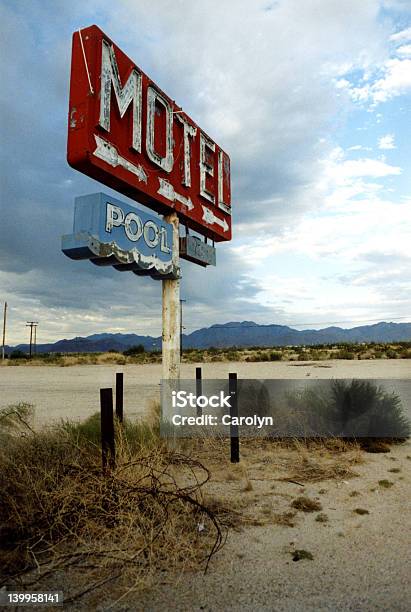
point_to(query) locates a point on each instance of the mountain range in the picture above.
(246, 333)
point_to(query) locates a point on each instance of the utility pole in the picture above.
(4, 329)
(32, 325)
(181, 328)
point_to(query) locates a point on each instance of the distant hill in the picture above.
(246, 333)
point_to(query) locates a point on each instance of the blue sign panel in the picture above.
(113, 233)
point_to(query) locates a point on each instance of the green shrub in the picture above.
(138, 349)
(18, 354)
(365, 410)
(344, 408)
(344, 354)
(136, 434)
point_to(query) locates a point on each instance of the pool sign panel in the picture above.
(125, 132)
(113, 233)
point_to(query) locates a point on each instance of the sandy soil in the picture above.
(360, 563)
(73, 392)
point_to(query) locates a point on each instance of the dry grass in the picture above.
(285, 518)
(300, 554)
(300, 356)
(61, 517)
(316, 461)
(385, 484)
(321, 518)
(305, 504)
(159, 510)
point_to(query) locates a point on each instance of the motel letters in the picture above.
(128, 134)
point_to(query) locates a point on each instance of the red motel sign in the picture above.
(125, 132)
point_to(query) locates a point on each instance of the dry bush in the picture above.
(61, 517)
(305, 504)
(116, 358)
(318, 460)
(286, 519)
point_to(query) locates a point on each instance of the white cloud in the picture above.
(396, 80)
(404, 50)
(261, 83)
(359, 148)
(401, 35)
(386, 142)
(341, 171)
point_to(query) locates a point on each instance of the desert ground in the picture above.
(318, 528)
(359, 562)
(73, 392)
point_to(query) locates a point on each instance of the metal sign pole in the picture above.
(171, 311)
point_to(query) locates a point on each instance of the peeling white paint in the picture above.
(189, 132)
(108, 153)
(223, 168)
(131, 92)
(154, 97)
(134, 227)
(210, 218)
(133, 256)
(205, 168)
(167, 190)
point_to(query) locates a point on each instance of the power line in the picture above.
(32, 325)
(4, 329)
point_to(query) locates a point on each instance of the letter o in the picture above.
(151, 226)
(135, 219)
(202, 401)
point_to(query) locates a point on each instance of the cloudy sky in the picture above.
(311, 99)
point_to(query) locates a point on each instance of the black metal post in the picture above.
(181, 328)
(234, 431)
(119, 395)
(108, 451)
(199, 390)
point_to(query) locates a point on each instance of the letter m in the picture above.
(131, 92)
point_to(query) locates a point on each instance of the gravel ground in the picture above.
(360, 563)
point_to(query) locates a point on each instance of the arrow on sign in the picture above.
(210, 218)
(108, 153)
(168, 191)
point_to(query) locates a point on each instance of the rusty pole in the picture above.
(171, 311)
(171, 317)
(4, 329)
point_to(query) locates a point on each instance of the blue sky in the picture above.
(312, 102)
